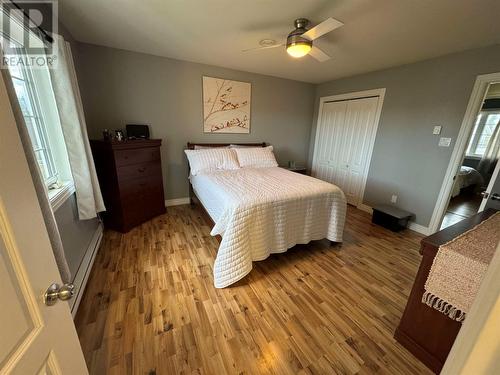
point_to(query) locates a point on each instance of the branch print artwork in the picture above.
(226, 106)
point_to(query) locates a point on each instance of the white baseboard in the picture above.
(365, 207)
(411, 225)
(82, 275)
(176, 201)
(419, 228)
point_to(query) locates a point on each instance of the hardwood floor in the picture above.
(150, 306)
(461, 207)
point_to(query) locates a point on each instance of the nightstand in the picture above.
(297, 169)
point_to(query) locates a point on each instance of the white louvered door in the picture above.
(344, 136)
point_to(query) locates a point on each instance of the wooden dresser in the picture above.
(424, 331)
(131, 181)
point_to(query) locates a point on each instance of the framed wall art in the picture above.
(226, 106)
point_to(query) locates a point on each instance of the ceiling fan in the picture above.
(300, 41)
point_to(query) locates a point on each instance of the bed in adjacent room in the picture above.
(467, 177)
(258, 208)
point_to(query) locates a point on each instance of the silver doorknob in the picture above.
(56, 292)
(495, 197)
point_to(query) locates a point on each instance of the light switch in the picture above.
(437, 130)
(444, 142)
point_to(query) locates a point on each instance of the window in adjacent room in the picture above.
(483, 129)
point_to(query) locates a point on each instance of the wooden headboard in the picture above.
(190, 145)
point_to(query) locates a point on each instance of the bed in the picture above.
(260, 211)
(466, 177)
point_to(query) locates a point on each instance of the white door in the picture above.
(345, 136)
(34, 338)
(328, 142)
(491, 196)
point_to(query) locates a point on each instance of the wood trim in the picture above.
(191, 145)
(128, 144)
(351, 96)
(473, 107)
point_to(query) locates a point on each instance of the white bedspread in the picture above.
(467, 176)
(266, 210)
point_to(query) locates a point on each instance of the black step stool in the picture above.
(391, 217)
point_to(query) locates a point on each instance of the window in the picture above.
(27, 94)
(34, 92)
(483, 129)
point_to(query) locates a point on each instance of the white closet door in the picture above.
(344, 138)
(360, 119)
(328, 144)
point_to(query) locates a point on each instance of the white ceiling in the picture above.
(377, 33)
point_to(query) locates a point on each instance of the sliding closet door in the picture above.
(360, 117)
(344, 138)
(328, 145)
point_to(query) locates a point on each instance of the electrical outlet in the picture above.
(394, 198)
(436, 130)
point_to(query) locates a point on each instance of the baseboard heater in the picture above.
(82, 275)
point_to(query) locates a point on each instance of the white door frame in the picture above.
(371, 141)
(457, 157)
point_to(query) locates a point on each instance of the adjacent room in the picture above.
(250, 187)
(479, 162)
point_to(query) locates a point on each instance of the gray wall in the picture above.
(406, 159)
(120, 87)
(75, 234)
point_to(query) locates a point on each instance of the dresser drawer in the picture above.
(139, 170)
(135, 189)
(136, 156)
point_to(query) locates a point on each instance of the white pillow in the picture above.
(256, 157)
(211, 159)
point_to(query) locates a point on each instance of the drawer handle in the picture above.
(143, 169)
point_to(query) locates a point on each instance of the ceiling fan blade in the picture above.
(266, 47)
(319, 54)
(321, 29)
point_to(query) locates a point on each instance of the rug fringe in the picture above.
(442, 306)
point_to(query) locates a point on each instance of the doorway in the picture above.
(478, 166)
(345, 135)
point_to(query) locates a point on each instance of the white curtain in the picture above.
(491, 155)
(69, 106)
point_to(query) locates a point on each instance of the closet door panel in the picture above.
(360, 116)
(329, 141)
(344, 135)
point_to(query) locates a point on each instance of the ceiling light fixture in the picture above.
(296, 45)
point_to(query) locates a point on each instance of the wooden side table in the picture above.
(301, 170)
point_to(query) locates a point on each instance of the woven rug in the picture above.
(459, 268)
